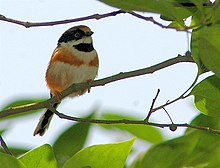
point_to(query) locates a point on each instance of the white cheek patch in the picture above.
(85, 56)
(87, 39)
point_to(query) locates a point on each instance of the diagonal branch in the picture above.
(151, 19)
(4, 146)
(152, 106)
(100, 82)
(182, 96)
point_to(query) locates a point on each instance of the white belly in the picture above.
(65, 74)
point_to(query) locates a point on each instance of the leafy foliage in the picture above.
(170, 9)
(194, 149)
(8, 161)
(205, 121)
(207, 96)
(143, 132)
(16, 151)
(109, 155)
(42, 156)
(22, 102)
(207, 47)
(70, 142)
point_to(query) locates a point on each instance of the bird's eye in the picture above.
(77, 35)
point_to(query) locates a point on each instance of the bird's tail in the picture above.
(44, 122)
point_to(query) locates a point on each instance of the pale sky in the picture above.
(123, 43)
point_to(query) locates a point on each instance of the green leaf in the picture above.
(196, 52)
(207, 96)
(198, 3)
(205, 121)
(166, 8)
(2, 130)
(100, 156)
(208, 50)
(216, 12)
(180, 25)
(16, 151)
(21, 102)
(8, 161)
(42, 156)
(196, 149)
(144, 132)
(70, 142)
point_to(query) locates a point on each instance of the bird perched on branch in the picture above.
(74, 60)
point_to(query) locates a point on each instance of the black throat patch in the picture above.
(85, 47)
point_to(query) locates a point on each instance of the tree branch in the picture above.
(100, 82)
(52, 23)
(182, 96)
(94, 16)
(151, 19)
(125, 121)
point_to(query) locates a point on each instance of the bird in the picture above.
(74, 60)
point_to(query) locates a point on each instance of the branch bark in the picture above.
(100, 82)
(4, 146)
(28, 24)
(125, 121)
(32, 24)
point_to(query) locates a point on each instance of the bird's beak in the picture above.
(89, 33)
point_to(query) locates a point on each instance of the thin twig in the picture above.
(4, 146)
(172, 127)
(152, 106)
(168, 115)
(100, 82)
(151, 19)
(182, 96)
